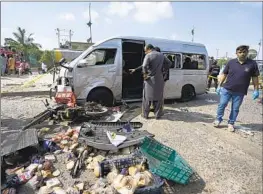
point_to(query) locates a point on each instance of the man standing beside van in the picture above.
(166, 72)
(237, 73)
(153, 67)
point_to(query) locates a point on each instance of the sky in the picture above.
(218, 25)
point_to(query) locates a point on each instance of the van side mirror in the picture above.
(82, 63)
(62, 60)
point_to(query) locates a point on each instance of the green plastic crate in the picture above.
(166, 162)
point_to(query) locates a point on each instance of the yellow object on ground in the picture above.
(30, 82)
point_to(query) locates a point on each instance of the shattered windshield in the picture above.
(81, 56)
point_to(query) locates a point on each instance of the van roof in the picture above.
(164, 44)
(151, 39)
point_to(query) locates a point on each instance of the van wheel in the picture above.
(101, 96)
(188, 93)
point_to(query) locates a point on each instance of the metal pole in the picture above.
(58, 33)
(259, 46)
(193, 33)
(217, 53)
(90, 25)
(70, 34)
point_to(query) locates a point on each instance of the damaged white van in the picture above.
(101, 73)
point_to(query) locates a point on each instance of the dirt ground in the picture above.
(225, 162)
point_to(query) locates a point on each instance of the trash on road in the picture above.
(122, 156)
(210, 100)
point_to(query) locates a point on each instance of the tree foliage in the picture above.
(221, 62)
(48, 58)
(23, 43)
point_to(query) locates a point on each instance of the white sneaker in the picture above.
(231, 128)
(216, 123)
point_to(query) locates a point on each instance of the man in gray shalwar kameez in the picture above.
(153, 66)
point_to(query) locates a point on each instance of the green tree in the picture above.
(221, 62)
(22, 42)
(48, 58)
(35, 56)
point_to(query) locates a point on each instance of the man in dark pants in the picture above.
(166, 72)
(213, 73)
(237, 73)
(154, 64)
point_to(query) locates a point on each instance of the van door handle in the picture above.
(113, 69)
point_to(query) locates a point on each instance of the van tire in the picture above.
(188, 93)
(101, 96)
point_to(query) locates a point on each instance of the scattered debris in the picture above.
(245, 130)
(184, 109)
(50, 158)
(115, 139)
(210, 100)
(86, 147)
(16, 140)
(95, 135)
(53, 182)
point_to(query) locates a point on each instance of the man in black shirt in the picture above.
(237, 73)
(213, 73)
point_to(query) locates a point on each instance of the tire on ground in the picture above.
(188, 93)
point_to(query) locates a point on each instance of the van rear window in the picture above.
(175, 59)
(194, 61)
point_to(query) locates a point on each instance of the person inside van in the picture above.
(194, 64)
(170, 57)
(187, 63)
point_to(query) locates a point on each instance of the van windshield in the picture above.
(82, 55)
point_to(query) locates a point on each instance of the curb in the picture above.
(24, 93)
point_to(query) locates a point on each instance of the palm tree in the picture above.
(22, 42)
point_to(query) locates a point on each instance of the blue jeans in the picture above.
(225, 97)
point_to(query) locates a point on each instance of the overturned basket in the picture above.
(166, 162)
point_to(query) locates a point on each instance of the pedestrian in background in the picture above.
(44, 67)
(11, 65)
(21, 68)
(3, 62)
(213, 73)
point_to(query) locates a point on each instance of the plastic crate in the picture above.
(166, 162)
(107, 165)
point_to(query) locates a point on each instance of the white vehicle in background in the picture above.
(101, 72)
